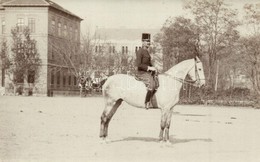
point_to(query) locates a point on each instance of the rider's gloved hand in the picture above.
(151, 68)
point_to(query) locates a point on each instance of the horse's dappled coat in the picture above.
(126, 88)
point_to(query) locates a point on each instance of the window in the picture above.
(3, 26)
(64, 79)
(58, 78)
(52, 52)
(33, 47)
(53, 26)
(69, 80)
(65, 31)
(20, 24)
(31, 76)
(59, 29)
(31, 25)
(75, 80)
(52, 77)
(19, 77)
(123, 49)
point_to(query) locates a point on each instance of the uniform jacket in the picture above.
(143, 60)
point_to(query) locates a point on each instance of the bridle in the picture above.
(186, 81)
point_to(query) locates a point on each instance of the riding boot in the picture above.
(154, 91)
(151, 98)
(147, 98)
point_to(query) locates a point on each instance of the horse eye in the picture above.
(199, 69)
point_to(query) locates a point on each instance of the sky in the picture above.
(129, 13)
(123, 13)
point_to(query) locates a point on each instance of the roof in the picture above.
(37, 3)
(1, 2)
(123, 33)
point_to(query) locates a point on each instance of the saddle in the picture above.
(146, 82)
(153, 101)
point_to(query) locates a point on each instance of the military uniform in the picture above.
(143, 60)
(143, 63)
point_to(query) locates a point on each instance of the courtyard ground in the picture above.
(67, 129)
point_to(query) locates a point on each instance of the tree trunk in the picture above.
(256, 85)
(14, 90)
(212, 71)
(257, 100)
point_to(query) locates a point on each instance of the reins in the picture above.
(189, 82)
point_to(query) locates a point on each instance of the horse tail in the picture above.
(103, 82)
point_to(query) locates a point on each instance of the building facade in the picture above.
(123, 41)
(49, 23)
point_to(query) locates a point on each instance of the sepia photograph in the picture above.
(130, 81)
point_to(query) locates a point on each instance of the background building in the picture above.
(48, 23)
(123, 41)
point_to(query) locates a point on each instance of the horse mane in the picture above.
(173, 70)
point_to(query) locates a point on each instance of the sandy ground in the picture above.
(67, 129)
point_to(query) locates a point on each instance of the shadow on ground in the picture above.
(172, 139)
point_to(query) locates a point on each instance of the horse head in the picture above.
(197, 73)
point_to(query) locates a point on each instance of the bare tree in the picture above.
(250, 48)
(217, 23)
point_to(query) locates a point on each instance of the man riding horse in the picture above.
(146, 71)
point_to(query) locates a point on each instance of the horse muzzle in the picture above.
(199, 83)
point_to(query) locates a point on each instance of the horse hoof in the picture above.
(104, 140)
(165, 143)
(168, 143)
(108, 140)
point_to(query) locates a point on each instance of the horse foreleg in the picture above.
(163, 124)
(106, 116)
(167, 126)
(161, 134)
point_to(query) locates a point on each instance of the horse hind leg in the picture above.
(109, 111)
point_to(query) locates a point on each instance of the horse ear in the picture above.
(196, 59)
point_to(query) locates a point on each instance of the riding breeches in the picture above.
(148, 80)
